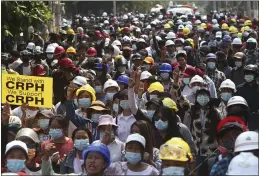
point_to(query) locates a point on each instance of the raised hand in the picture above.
(50, 149)
(6, 114)
(132, 79)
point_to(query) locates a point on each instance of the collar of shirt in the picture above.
(121, 116)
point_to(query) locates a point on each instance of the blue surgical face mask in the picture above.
(115, 107)
(134, 47)
(225, 96)
(161, 125)
(44, 123)
(98, 89)
(95, 117)
(164, 76)
(55, 133)
(249, 78)
(173, 171)
(133, 158)
(238, 64)
(15, 165)
(150, 114)
(203, 99)
(84, 102)
(211, 65)
(186, 81)
(124, 104)
(109, 96)
(81, 144)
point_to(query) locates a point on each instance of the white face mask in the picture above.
(173, 171)
(179, 48)
(153, 96)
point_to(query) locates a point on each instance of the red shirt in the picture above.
(61, 148)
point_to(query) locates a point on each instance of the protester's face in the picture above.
(134, 147)
(55, 125)
(135, 129)
(152, 107)
(232, 134)
(170, 48)
(84, 94)
(171, 163)
(158, 115)
(16, 154)
(111, 90)
(94, 163)
(126, 53)
(137, 62)
(81, 134)
(182, 61)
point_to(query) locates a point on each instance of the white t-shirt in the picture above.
(15, 64)
(147, 171)
(27, 71)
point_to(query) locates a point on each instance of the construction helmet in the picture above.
(38, 70)
(91, 51)
(186, 31)
(71, 50)
(59, 50)
(204, 25)
(233, 30)
(237, 100)
(123, 79)
(247, 141)
(252, 68)
(29, 133)
(228, 84)
(110, 83)
(224, 26)
(248, 23)
(176, 149)
(70, 32)
(170, 23)
(168, 102)
(167, 26)
(165, 67)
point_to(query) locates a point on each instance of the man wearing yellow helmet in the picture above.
(71, 52)
(176, 157)
(167, 28)
(70, 37)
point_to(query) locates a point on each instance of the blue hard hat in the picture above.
(165, 67)
(123, 79)
(226, 38)
(211, 56)
(98, 147)
(99, 66)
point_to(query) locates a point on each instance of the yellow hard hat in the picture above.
(167, 26)
(248, 23)
(171, 23)
(89, 89)
(186, 31)
(70, 32)
(203, 25)
(168, 102)
(234, 20)
(156, 86)
(118, 57)
(233, 30)
(239, 35)
(246, 28)
(191, 42)
(242, 29)
(176, 149)
(71, 50)
(224, 26)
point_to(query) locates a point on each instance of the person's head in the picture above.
(236, 44)
(144, 79)
(110, 88)
(228, 130)
(16, 154)
(104, 121)
(202, 97)
(170, 46)
(239, 59)
(251, 44)
(251, 72)
(176, 157)
(81, 137)
(148, 63)
(165, 71)
(152, 105)
(58, 127)
(126, 52)
(237, 106)
(181, 57)
(96, 158)
(137, 59)
(154, 89)
(14, 126)
(135, 148)
(42, 118)
(227, 89)
(188, 74)
(123, 99)
(96, 110)
(211, 60)
(221, 58)
(123, 82)
(247, 142)
(196, 83)
(31, 139)
(85, 96)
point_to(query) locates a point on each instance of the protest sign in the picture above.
(18, 89)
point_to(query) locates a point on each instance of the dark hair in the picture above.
(84, 129)
(15, 54)
(61, 120)
(146, 132)
(173, 129)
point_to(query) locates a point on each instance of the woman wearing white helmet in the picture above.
(227, 89)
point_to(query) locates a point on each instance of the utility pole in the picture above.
(114, 8)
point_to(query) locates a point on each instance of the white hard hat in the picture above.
(247, 141)
(189, 22)
(138, 30)
(198, 22)
(157, 38)
(15, 121)
(195, 79)
(145, 75)
(136, 138)
(236, 41)
(180, 27)
(38, 49)
(55, 45)
(141, 15)
(125, 17)
(179, 22)
(116, 51)
(141, 40)
(237, 100)
(80, 30)
(148, 26)
(214, 21)
(135, 19)
(153, 22)
(170, 35)
(50, 49)
(215, 25)
(84, 18)
(169, 42)
(106, 22)
(246, 163)
(219, 34)
(116, 42)
(31, 46)
(126, 39)
(228, 84)
(104, 14)
(160, 17)
(189, 26)
(110, 83)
